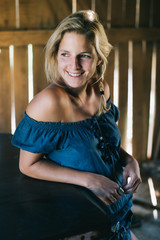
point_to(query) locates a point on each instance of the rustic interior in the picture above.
(133, 28)
(133, 73)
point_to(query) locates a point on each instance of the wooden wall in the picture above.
(131, 25)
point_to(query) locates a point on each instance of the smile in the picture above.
(75, 74)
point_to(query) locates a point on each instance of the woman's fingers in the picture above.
(113, 196)
(133, 188)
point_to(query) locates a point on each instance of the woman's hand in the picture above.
(104, 188)
(131, 174)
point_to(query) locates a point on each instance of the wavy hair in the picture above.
(83, 22)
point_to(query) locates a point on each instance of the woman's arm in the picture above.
(33, 165)
(131, 174)
(46, 106)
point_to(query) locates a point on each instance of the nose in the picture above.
(75, 63)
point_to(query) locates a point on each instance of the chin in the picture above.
(76, 86)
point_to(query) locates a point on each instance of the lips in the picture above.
(75, 74)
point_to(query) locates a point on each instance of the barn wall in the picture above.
(133, 28)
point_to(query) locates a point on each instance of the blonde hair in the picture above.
(83, 22)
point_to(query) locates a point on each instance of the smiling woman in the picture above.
(69, 132)
(77, 60)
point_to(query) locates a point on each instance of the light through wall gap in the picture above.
(17, 14)
(74, 6)
(13, 113)
(130, 99)
(30, 72)
(153, 197)
(152, 103)
(137, 16)
(116, 77)
(93, 5)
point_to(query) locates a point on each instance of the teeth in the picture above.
(75, 74)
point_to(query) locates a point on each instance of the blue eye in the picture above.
(64, 54)
(85, 56)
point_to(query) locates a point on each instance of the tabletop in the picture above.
(43, 210)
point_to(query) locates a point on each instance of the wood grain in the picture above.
(123, 91)
(5, 91)
(20, 81)
(40, 37)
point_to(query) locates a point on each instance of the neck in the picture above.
(80, 94)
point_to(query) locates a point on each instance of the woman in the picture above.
(72, 122)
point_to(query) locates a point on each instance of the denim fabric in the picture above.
(120, 230)
(89, 145)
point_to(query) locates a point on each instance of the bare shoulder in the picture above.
(47, 106)
(106, 90)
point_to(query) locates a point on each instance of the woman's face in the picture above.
(77, 60)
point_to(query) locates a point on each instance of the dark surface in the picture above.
(34, 209)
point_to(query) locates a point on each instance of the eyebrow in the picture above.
(63, 50)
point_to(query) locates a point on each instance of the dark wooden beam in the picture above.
(132, 34)
(40, 37)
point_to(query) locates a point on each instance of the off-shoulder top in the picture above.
(90, 145)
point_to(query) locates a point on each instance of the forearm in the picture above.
(35, 166)
(50, 171)
(131, 175)
(125, 157)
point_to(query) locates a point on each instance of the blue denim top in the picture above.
(90, 145)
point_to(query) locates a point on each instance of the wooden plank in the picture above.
(156, 15)
(133, 34)
(130, 10)
(39, 77)
(141, 92)
(157, 113)
(5, 92)
(123, 90)
(24, 37)
(7, 14)
(144, 18)
(47, 14)
(30, 12)
(116, 13)
(137, 100)
(102, 11)
(44, 13)
(146, 95)
(40, 37)
(109, 75)
(83, 5)
(20, 81)
(52, 12)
